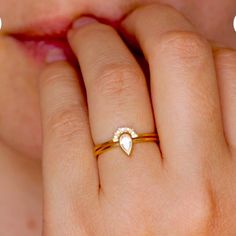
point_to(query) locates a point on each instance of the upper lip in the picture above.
(56, 28)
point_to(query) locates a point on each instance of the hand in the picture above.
(185, 186)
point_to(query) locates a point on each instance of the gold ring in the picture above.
(125, 138)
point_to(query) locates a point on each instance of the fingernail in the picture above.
(82, 21)
(54, 55)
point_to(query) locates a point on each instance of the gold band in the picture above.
(125, 138)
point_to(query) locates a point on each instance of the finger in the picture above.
(183, 81)
(226, 71)
(117, 97)
(69, 169)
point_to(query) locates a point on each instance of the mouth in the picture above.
(40, 38)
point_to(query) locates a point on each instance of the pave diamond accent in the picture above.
(121, 131)
(126, 143)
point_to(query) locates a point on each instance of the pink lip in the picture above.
(56, 27)
(40, 38)
(39, 47)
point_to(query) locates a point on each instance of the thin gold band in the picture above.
(146, 137)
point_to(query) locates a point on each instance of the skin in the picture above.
(190, 175)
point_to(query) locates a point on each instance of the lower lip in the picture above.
(39, 48)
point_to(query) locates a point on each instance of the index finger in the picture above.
(69, 166)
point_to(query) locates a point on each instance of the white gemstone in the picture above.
(126, 143)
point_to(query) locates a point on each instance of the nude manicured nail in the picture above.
(85, 20)
(54, 55)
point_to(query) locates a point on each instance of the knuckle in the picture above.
(67, 123)
(116, 79)
(56, 72)
(187, 47)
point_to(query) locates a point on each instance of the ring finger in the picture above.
(117, 97)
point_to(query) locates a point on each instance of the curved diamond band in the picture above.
(125, 138)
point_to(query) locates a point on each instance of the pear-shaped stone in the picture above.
(126, 143)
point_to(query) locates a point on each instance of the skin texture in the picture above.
(24, 92)
(207, 176)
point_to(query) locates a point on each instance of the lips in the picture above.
(40, 38)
